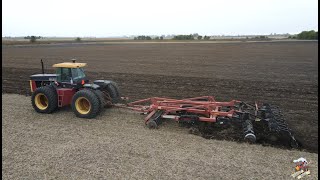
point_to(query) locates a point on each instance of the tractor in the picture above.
(70, 86)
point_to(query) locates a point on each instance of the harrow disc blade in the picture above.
(277, 124)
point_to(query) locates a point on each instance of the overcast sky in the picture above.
(102, 18)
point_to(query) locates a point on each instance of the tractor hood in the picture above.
(44, 77)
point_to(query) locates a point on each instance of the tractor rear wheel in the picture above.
(111, 89)
(113, 92)
(85, 104)
(116, 89)
(44, 99)
(102, 101)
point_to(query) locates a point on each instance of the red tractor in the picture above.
(70, 86)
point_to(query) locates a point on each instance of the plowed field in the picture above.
(281, 73)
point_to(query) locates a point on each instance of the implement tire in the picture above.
(85, 104)
(44, 99)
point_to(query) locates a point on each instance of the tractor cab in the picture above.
(70, 74)
(67, 75)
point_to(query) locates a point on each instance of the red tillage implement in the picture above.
(206, 109)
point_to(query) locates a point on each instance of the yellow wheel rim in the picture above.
(41, 101)
(83, 105)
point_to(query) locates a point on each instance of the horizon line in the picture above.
(124, 36)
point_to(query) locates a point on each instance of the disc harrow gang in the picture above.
(257, 121)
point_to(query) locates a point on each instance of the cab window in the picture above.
(78, 74)
(64, 74)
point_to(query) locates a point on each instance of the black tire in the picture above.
(85, 104)
(113, 93)
(44, 99)
(99, 94)
(116, 87)
(152, 125)
(111, 88)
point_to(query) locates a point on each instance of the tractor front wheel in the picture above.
(85, 104)
(44, 99)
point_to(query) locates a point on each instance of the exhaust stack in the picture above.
(42, 67)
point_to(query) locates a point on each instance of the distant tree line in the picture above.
(183, 37)
(148, 38)
(260, 37)
(33, 38)
(159, 38)
(190, 37)
(310, 35)
(176, 37)
(206, 37)
(142, 38)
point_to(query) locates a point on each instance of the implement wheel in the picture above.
(44, 99)
(152, 124)
(85, 104)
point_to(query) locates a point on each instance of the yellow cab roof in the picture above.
(69, 65)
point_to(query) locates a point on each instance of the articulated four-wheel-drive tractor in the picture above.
(70, 86)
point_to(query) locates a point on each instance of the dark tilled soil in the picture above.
(280, 73)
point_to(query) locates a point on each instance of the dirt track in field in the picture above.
(117, 145)
(281, 73)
